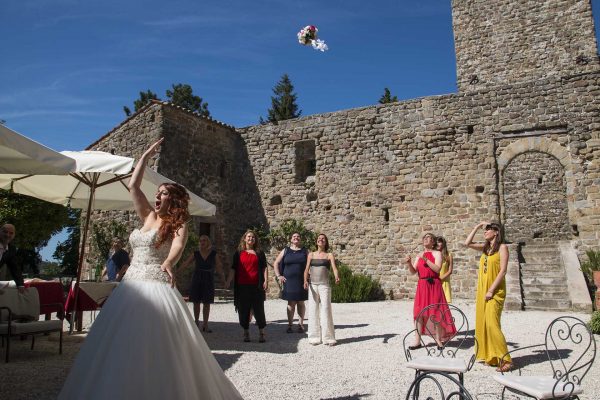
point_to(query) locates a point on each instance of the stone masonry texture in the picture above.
(520, 145)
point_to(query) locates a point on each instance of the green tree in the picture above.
(283, 104)
(35, 220)
(280, 237)
(387, 97)
(182, 95)
(67, 252)
(145, 98)
(2, 121)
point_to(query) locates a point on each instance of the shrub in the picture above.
(280, 237)
(595, 323)
(591, 264)
(354, 287)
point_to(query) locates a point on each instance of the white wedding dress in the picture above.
(144, 343)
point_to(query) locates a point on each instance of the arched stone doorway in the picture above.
(535, 198)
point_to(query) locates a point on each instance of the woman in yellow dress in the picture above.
(491, 293)
(447, 267)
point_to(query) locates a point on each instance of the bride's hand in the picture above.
(153, 148)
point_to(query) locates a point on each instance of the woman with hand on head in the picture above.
(491, 293)
(318, 265)
(202, 288)
(250, 275)
(289, 269)
(429, 291)
(144, 344)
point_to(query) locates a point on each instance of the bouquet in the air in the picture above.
(308, 36)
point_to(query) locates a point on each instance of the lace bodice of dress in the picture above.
(147, 259)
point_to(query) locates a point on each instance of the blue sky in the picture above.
(68, 67)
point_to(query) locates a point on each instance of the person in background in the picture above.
(491, 293)
(250, 275)
(289, 269)
(429, 291)
(447, 267)
(117, 263)
(316, 279)
(8, 255)
(202, 288)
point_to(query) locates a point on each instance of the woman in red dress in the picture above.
(429, 291)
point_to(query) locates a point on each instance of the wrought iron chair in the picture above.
(19, 316)
(570, 348)
(456, 355)
(437, 385)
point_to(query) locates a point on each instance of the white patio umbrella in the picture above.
(21, 155)
(98, 181)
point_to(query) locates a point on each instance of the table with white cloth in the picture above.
(91, 297)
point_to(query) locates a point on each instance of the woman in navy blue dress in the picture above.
(202, 288)
(289, 270)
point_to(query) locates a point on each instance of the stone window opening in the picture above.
(276, 200)
(402, 198)
(223, 169)
(540, 180)
(449, 192)
(386, 214)
(479, 189)
(328, 207)
(306, 160)
(342, 246)
(575, 230)
(368, 204)
(470, 129)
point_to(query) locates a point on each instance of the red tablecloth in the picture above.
(50, 292)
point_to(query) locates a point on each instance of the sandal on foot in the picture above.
(300, 329)
(289, 329)
(246, 336)
(205, 329)
(261, 338)
(505, 367)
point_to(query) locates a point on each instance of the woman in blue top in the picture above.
(289, 270)
(202, 288)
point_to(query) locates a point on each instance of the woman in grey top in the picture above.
(318, 264)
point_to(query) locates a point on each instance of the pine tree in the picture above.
(144, 99)
(387, 97)
(283, 104)
(183, 96)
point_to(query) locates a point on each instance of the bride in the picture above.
(145, 344)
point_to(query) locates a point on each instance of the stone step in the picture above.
(546, 295)
(542, 259)
(542, 266)
(544, 288)
(547, 304)
(542, 280)
(540, 247)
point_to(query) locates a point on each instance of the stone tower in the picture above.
(513, 41)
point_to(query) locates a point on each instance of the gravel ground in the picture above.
(367, 363)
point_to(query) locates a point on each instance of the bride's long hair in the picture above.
(177, 214)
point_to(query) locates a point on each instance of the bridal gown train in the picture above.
(145, 344)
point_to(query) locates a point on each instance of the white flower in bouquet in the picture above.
(308, 36)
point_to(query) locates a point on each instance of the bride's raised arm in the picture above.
(143, 208)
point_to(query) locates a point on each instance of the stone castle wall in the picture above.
(386, 174)
(510, 41)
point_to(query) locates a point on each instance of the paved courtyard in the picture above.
(367, 363)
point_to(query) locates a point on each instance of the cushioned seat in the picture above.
(426, 363)
(540, 387)
(19, 316)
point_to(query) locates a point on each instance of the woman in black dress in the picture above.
(289, 270)
(202, 289)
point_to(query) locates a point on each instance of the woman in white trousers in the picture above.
(318, 264)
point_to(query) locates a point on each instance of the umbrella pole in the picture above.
(82, 251)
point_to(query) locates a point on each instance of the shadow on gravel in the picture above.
(386, 337)
(351, 397)
(228, 336)
(350, 326)
(227, 360)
